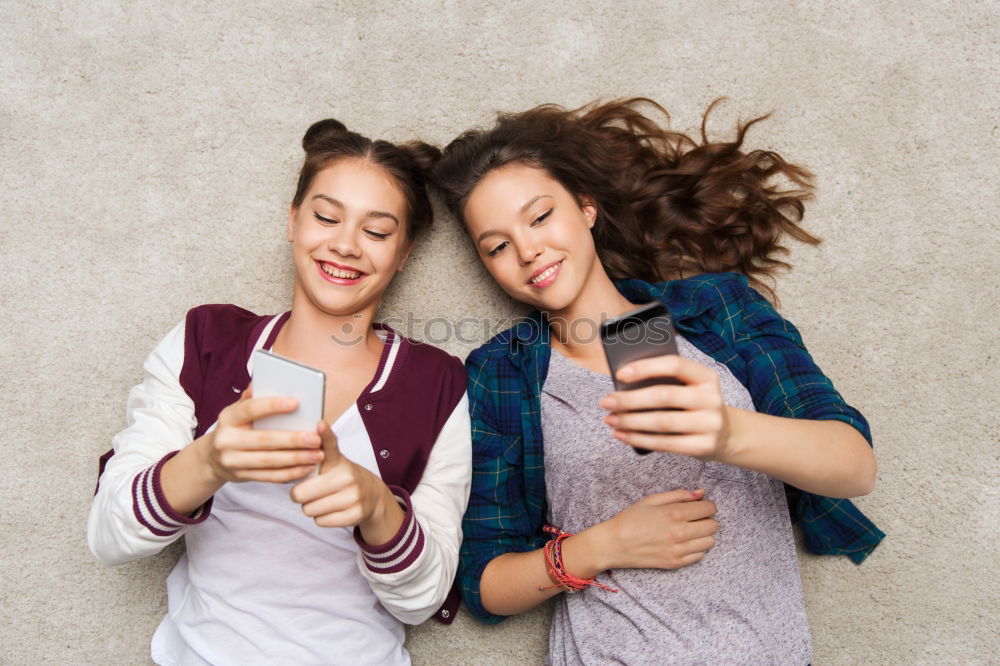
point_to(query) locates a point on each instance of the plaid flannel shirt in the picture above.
(718, 313)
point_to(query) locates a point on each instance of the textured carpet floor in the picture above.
(148, 153)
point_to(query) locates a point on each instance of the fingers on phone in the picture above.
(283, 475)
(686, 370)
(660, 396)
(270, 460)
(260, 440)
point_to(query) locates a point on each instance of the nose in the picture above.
(344, 241)
(527, 252)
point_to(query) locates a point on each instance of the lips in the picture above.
(338, 273)
(545, 275)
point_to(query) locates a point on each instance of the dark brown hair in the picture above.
(669, 206)
(329, 140)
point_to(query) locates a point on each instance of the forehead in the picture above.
(502, 192)
(359, 184)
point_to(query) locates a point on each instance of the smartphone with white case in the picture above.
(277, 376)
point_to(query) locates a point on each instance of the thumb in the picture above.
(331, 449)
(673, 497)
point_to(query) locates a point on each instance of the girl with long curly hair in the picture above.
(685, 555)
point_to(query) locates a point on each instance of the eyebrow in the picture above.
(371, 213)
(524, 209)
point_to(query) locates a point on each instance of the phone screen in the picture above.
(277, 376)
(642, 333)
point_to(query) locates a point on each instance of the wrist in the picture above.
(385, 517)
(207, 474)
(586, 554)
(734, 443)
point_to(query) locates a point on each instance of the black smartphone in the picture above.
(642, 333)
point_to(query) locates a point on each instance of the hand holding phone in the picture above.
(642, 333)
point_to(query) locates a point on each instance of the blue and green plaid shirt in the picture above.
(718, 313)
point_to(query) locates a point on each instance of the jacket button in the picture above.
(445, 614)
(384, 453)
(368, 407)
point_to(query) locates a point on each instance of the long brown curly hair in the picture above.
(669, 205)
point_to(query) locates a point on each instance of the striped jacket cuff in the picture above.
(402, 549)
(151, 507)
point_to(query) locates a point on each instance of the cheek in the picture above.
(503, 271)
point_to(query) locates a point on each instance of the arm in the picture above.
(130, 517)
(159, 482)
(806, 436)
(413, 592)
(664, 531)
(408, 544)
(825, 457)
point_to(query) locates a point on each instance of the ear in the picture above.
(589, 207)
(406, 255)
(291, 223)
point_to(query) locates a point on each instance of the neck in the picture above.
(575, 329)
(323, 340)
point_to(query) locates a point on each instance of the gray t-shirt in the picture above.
(742, 604)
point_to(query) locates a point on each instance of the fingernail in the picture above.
(288, 403)
(625, 373)
(611, 420)
(608, 402)
(698, 493)
(313, 439)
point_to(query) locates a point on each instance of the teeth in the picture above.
(338, 273)
(544, 275)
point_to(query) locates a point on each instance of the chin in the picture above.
(546, 302)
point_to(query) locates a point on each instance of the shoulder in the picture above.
(706, 291)
(523, 337)
(493, 350)
(491, 367)
(218, 340)
(222, 326)
(429, 371)
(724, 302)
(427, 358)
(220, 318)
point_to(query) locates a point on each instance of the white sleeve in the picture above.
(413, 573)
(130, 518)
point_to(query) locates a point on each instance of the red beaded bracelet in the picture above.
(557, 571)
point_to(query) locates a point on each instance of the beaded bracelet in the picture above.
(557, 571)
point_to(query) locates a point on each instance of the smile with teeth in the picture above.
(546, 274)
(339, 273)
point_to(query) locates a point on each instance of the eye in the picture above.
(495, 251)
(376, 235)
(541, 218)
(323, 220)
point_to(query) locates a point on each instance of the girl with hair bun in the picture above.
(685, 555)
(281, 568)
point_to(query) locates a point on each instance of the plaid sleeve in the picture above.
(784, 380)
(782, 376)
(497, 520)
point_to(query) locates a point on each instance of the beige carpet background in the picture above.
(148, 156)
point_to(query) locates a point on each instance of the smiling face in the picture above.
(348, 237)
(533, 236)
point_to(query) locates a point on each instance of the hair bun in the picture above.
(320, 132)
(423, 154)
